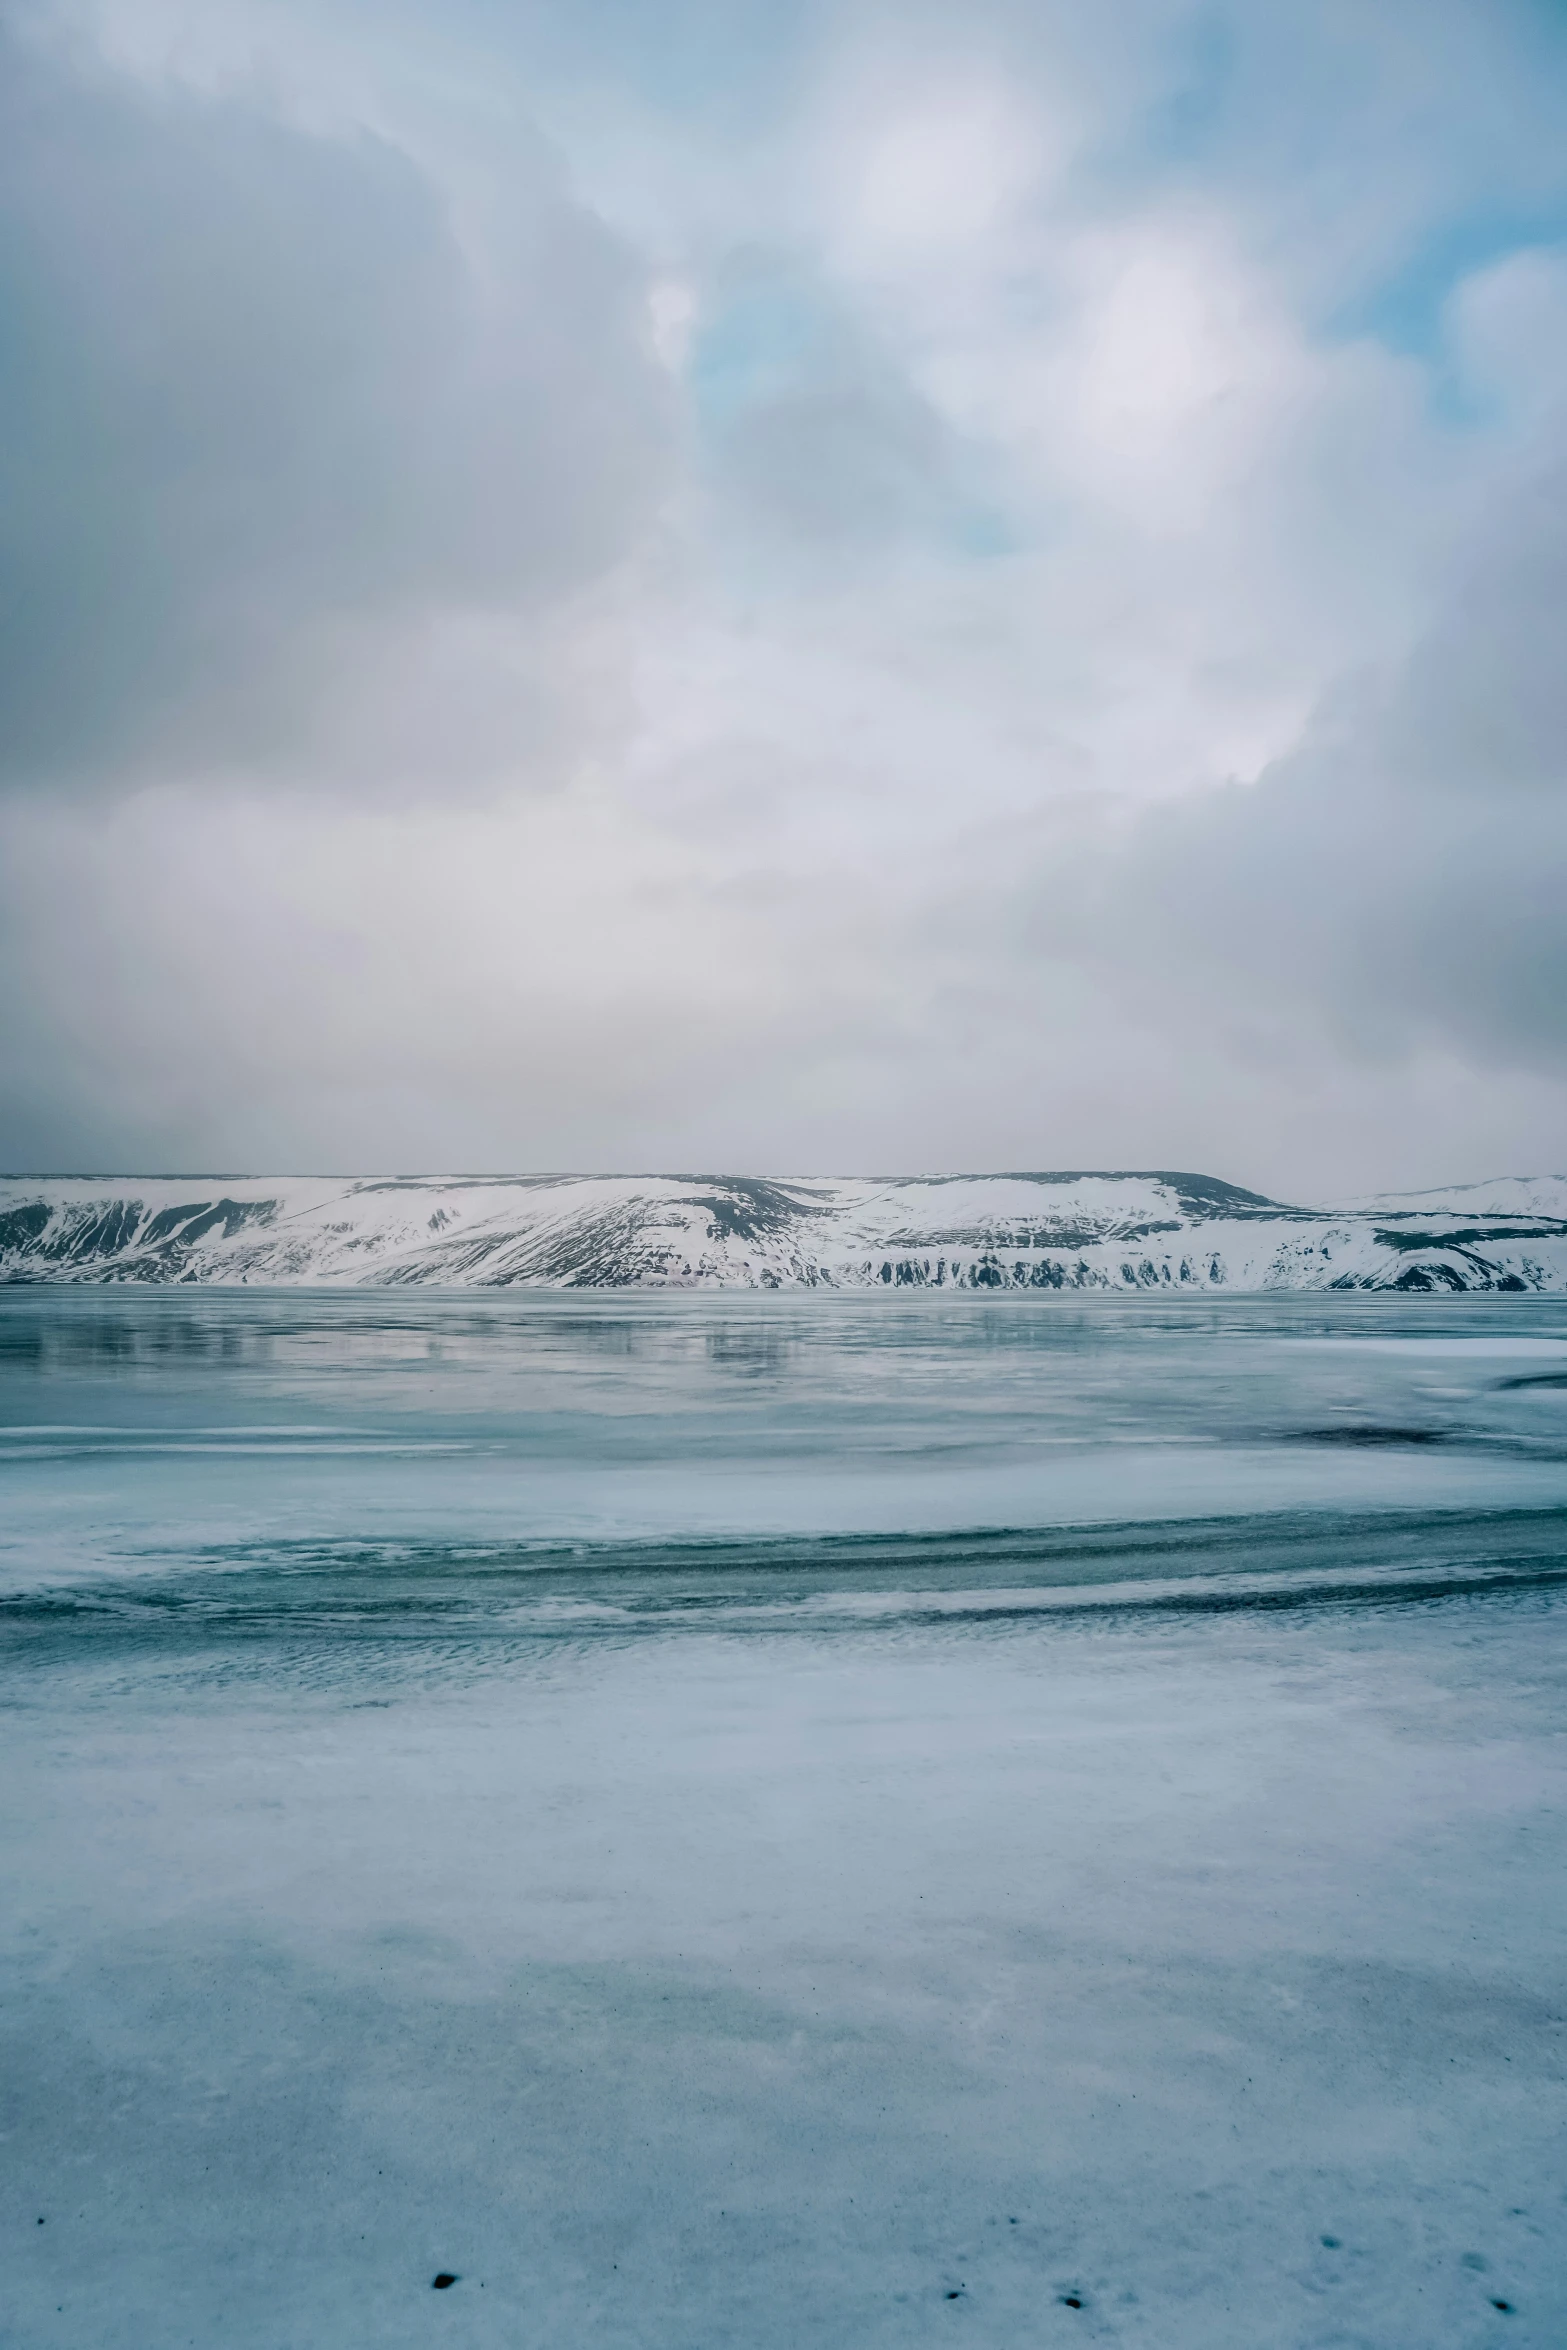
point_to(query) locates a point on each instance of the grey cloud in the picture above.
(811, 430)
(303, 473)
(837, 462)
(1399, 881)
(255, 396)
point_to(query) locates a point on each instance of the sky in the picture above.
(754, 585)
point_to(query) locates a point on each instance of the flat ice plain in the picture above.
(749, 1821)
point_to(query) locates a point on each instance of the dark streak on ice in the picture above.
(1360, 1432)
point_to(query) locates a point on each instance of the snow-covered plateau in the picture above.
(1112, 1231)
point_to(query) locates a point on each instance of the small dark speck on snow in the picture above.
(1505, 2307)
(441, 2282)
(1072, 2300)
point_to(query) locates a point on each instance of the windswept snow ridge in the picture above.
(988, 1232)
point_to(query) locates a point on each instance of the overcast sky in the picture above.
(752, 585)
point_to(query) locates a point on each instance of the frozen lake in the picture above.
(732, 1822)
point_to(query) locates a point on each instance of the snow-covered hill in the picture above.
(1041, 1232)
(1505, 1196)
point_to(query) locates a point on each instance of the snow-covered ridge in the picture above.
(1040, 1232)
(1503, 1196)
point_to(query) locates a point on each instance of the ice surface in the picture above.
(763, 1822)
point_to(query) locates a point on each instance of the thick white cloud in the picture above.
(815, 587)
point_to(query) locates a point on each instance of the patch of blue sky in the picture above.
(1200, 105)
(1184, 124)
(682, 58)
(767, 338)
(1252, 104)
(1407, 310)
(983, 532)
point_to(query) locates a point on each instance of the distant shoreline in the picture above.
(1075, 1231)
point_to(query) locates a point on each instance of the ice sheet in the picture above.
(1100, 1927)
